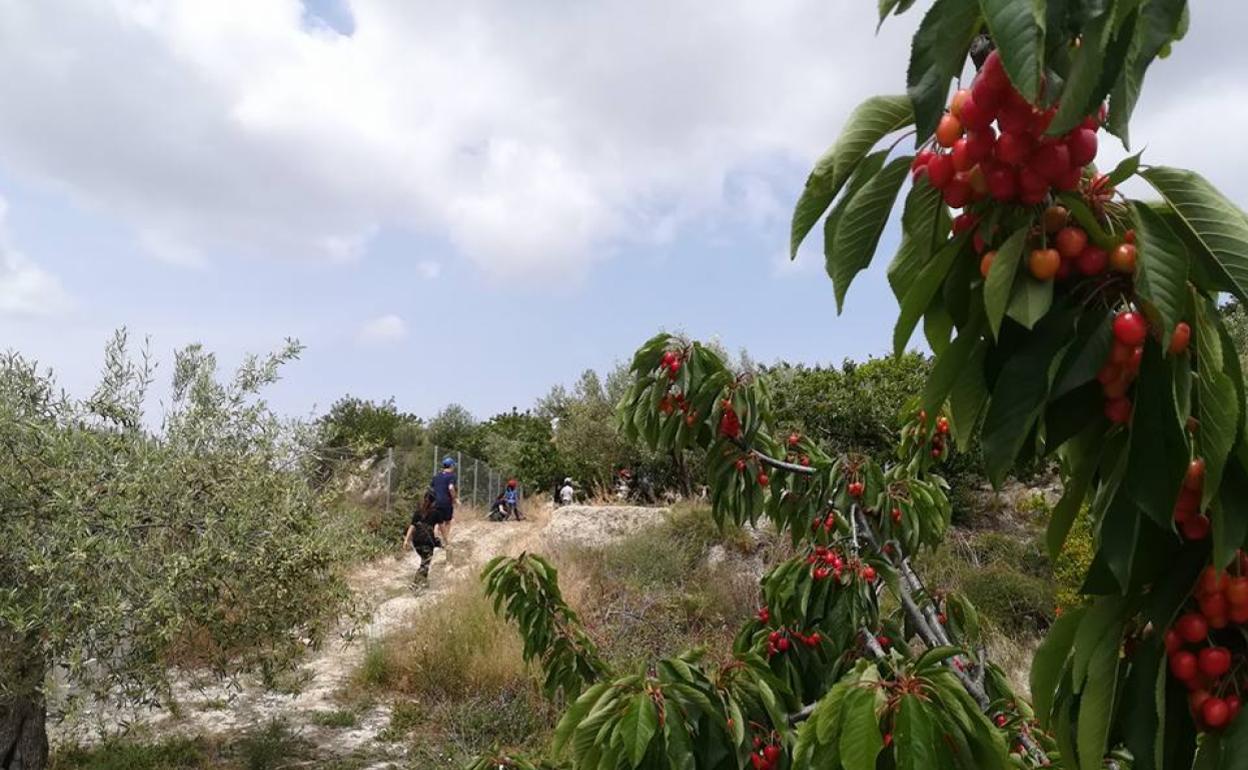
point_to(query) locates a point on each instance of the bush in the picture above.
(655, 593)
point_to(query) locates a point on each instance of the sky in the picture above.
(464, 202)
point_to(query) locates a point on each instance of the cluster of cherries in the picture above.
(793, 456)
(828, 562)
(1064, 252)
(1206, 668)
(1020, 163)
(672, 363)
(1193, 523)
(767, 752)
(782, 640)
(942, 422)
(1125, 355)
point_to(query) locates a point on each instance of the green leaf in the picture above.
(937, 55)
(1018, 30)
(860, 740)
(1079, 94)
(639, 725)
(1096, 706)
(1125, 169)
(1050, 660)
(1084, 456)
(919, 297)
(1031, 299)
(1020, 392)
(1161, 268)
(949, 365)
(999, 286)
(924, 219)
(1216, 224)
(916, 739)
(1230, 514)
(969, 395)
(1158, 24)
(1158, 450)
(870, 121)
(1217, 402)
(1087, 354)
(860, 225)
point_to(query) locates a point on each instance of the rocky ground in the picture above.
(207, 708)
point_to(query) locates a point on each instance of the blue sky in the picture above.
(467, 202)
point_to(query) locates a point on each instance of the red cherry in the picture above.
(948, 130)
(980, 143)
(1183, 665)
(1194, 479)
(1051, 161)
(964, 222)
(1092, 260)
(762, 479)
(1214, 661)
(1082, 146)
(1118, 410)
(1002, 183)
(1001, 720)
(740, 465)
(1013, 148)
(993, 73)
(940, 171)
(1198, 528)
(977, 115)
(1237, 591)
(1196, 699)
(1173, 641)
(1071, 241)
(1032, 182)
(1192, 628)
(764, 614)
(961, 155)
(1215, 713)
(1130, 329)
(957, 193)
(1233, 704)
(855, 489)
(783, 644)
(868, 573)
(1180, 338)
(771, 753)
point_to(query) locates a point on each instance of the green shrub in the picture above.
(1012, 601)
(170, 754)
(341, 718)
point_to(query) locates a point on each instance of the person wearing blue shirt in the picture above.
(511, 499)
(445, 494)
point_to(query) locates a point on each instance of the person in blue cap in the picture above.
(445, 494)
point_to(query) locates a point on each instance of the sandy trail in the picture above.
(386, 585)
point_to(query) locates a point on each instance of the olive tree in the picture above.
(125, 541)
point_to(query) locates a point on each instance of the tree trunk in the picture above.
(24, 733)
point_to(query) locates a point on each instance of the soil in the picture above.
(209, 708)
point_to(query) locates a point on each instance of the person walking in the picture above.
(420, 537)
(566, 493)
(445, 495)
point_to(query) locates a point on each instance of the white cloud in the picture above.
(533, 137)
(384, 329)
(25, 288)
(429, 269)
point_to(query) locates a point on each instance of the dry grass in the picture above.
(459, 682)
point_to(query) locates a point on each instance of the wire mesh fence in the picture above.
(408, 473)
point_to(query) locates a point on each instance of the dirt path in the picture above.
(386, 585)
